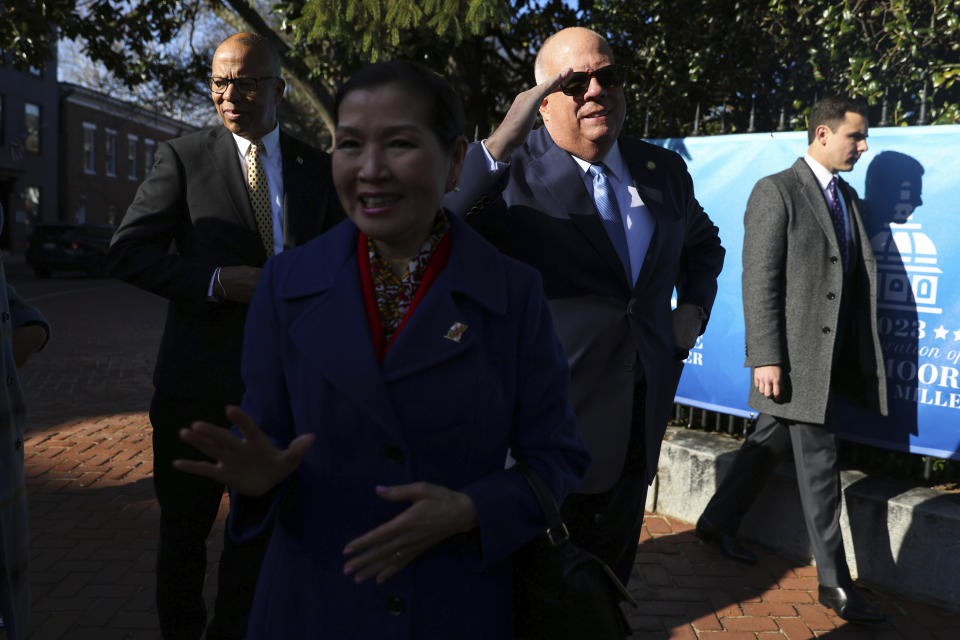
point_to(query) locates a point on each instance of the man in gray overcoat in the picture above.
(23, 331)
(810, 311)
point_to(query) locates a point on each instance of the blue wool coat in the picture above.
(437, 409)
(14, 532)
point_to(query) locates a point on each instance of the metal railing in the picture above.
(901, 465)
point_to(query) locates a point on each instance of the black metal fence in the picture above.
(910, 467)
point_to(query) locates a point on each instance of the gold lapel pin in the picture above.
(651, 165)
(456, 331)
(299, 160)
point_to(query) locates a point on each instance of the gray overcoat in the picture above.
(792, 287)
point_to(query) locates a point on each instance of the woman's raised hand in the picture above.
(250, 464)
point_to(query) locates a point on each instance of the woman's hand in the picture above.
(250, 465)
(436, 514)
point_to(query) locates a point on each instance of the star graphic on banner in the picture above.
(956, 335)
(941, 333)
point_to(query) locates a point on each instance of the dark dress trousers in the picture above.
(191, 215)
(804, 312)
(617, 335)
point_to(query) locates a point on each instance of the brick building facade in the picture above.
(106, 149)
(29, 103)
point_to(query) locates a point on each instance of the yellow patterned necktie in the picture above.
(260, 195)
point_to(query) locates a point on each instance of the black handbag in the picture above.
(562, 592)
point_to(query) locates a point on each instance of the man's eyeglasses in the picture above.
(246, 86)
(609, 77)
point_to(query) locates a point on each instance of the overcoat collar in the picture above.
(325, 276)
(816, 202)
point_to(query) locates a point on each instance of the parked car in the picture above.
(68, 247)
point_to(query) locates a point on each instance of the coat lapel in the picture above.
(432, 335)
(560, 176)
(816, 203)
(224, 153)
(336, 318)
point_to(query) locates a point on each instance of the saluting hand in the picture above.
(519, 119)
(250, 465)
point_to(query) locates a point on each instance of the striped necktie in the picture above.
(839, 224)
(606, 202)
(260, 195)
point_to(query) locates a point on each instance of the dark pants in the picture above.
(188, 509)
(818, 478)
(608, 524)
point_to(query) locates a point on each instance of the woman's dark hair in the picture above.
(444, 108)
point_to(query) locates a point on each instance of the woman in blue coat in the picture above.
(390, 367)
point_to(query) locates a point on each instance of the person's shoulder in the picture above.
(517, 276)
(309, 266)
(195, 139)
(305, 152)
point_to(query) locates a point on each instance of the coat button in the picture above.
(395, 453)
(628, 366)
(831, 295)
(395, 605)
(833, 259)
(18, 444)
(6, 316)
(632, 307)
(826, 330)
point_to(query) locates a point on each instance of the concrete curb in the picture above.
(901, 538)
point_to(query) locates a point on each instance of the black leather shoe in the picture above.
(729, 544)
(849, 604)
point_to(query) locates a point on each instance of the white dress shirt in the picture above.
(638, 222)
(272, 164)
(824, 176)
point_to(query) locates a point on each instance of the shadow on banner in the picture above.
(907, 283)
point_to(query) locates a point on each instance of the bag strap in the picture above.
(557, 532)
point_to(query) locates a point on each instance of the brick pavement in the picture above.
(94, 520)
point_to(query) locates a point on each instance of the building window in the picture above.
(31, 113)
(31, 202)
(131, 156)
(148, 146)
(110, 151)
(89, 148)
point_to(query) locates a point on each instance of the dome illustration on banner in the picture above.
(906, 263)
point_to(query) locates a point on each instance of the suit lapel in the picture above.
(561, 177)
(651, 188)
(294, 181)
(227, 160)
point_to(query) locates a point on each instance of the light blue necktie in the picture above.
(606, 202)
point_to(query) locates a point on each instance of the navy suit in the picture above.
(195, 202)
(618, 336)
(436, 409)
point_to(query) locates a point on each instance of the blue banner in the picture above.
(909, 185)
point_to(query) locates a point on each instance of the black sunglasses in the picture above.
(246, 86)
(609, 77)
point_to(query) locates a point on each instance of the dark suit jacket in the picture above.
(435, 410)
(793, 284)
(192, 214)
(540, 212)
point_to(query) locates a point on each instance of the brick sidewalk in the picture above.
(94, 519)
